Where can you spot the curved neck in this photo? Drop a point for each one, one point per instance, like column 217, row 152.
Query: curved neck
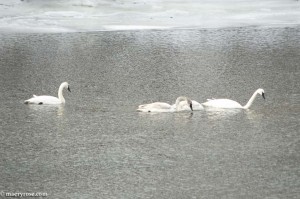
column 249, row 103
column 60, row 95
column 178, row 100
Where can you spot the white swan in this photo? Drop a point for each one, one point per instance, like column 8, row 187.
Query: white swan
column 44, row 99
column 165, row 107
column 183, row 105
column 227, row 103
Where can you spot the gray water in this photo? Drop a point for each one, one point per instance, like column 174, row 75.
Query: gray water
column 98, row 146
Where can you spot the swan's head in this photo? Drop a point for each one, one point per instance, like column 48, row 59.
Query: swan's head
column 66, row 85
column 189, row 101
column 261, row 92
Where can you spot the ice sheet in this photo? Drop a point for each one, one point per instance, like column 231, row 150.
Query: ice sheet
column 97, row 15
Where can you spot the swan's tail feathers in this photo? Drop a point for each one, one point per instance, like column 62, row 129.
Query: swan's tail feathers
column 34, row 95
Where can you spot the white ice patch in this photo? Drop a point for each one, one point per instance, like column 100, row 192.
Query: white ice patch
column 93, row 15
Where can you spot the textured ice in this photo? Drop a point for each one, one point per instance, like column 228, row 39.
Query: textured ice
column 93, row 15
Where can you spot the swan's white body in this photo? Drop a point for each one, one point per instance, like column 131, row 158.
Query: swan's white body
column 184, row 106
column 156, row 107
column 227, row 103
column 159, row 107
column 44, row 99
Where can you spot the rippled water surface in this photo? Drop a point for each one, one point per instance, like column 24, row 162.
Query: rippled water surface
column 98, row 146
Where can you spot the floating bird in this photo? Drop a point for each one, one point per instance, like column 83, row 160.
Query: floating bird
column 45, row 99
column 165, row 107
column 227, row 103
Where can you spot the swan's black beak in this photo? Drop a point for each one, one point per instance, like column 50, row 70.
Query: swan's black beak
column 69, row 89
column 263, row 95
column 191, row 106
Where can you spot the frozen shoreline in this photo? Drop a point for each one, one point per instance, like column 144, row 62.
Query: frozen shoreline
column 103, row 15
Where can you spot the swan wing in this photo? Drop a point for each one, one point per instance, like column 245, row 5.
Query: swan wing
column 222, row 103
column 43, row 100
column 197, row 106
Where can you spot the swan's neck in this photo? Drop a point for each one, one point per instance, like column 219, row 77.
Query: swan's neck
column 60, row 94
column 249, row 103
column 178, row 100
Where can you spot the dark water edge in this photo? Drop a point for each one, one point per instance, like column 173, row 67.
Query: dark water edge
column 98, row 146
